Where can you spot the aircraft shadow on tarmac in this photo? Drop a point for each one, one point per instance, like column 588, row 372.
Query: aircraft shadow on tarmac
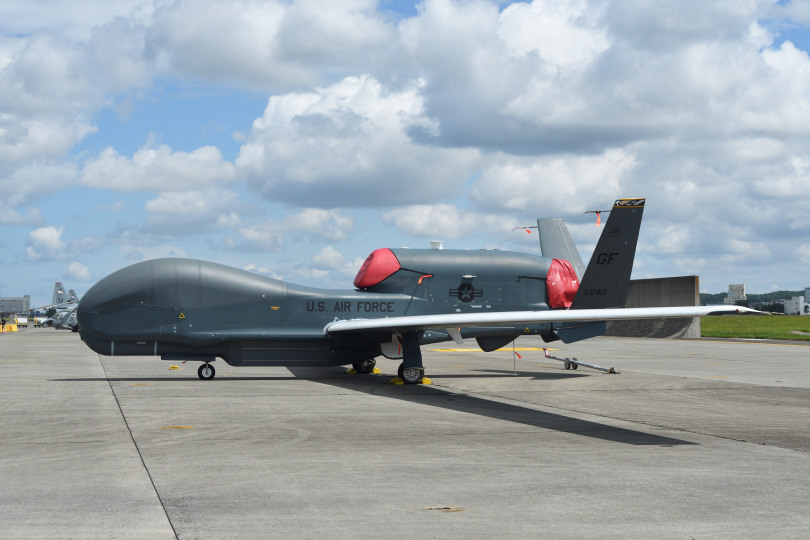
column 496, row 373
column 435, row 397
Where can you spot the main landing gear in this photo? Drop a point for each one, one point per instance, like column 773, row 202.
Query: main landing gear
column 412, row 356
column 366, row 366
column 410, row 375
column 206, row 372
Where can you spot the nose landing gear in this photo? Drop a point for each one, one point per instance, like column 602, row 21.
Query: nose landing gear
column 206, row 372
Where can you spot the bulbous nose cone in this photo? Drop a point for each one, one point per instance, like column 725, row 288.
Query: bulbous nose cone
column 144, row 294
column 129, row 286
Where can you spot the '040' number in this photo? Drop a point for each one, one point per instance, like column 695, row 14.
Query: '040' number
column 594, row 292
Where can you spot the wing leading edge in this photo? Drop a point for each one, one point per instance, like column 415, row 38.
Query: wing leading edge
column 459, row 320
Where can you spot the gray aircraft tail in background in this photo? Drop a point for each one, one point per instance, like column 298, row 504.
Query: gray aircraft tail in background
column 60, row 294
column 65, row 302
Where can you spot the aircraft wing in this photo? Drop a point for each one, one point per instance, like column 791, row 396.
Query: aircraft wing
column 458, row 320
column 63, row 305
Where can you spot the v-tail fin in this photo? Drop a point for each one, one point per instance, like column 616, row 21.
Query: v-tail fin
column 556, row 243
column 607, row 278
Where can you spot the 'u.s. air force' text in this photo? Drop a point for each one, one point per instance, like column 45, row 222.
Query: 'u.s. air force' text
column 359, row 307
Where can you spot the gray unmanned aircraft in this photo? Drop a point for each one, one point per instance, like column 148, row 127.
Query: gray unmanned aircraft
column 183, row 309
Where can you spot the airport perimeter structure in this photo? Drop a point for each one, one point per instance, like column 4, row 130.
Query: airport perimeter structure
column 660, row 292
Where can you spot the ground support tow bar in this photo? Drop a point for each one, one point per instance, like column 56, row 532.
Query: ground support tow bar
column 574, row 363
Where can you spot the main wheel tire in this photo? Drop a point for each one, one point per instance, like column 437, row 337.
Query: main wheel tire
column 206, row 372
column 411, row 375
column 366, row 366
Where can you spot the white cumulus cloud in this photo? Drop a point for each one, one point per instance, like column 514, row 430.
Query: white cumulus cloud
column 77, row 271
column 157, row 170
column 46, row 244
column 348, row 144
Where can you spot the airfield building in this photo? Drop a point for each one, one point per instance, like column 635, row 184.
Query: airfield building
column 736, row 293
column 795, row 306
column 15, row 304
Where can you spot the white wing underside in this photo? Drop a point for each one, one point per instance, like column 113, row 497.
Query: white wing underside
column 461, row 320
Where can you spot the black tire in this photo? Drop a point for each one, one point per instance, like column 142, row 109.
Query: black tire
column 366, row 366
column 567, row 364
column 411, row 375
column 574, row 366
column 206, row 372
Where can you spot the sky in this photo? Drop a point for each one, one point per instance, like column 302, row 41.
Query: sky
column 292, row 138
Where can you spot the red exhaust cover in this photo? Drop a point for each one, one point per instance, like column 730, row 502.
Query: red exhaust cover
column 561, row 284
column 378, row 266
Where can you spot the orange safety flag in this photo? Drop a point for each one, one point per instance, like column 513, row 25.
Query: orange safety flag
column 516, row 354
column 598, row 218
column 528, row 231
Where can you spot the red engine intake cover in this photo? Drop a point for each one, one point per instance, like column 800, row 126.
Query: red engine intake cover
column 561, row 284
column 378, row 266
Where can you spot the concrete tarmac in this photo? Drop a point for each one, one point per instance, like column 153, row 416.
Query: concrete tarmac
column 693, row 440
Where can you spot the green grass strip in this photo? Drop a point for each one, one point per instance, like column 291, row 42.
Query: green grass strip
column 756, row 327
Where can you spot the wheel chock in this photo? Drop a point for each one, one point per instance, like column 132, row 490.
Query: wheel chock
column 174, row 368
column 423, row 380
column 352, row 371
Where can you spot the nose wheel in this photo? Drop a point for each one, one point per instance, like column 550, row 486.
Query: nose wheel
column 410, row 375
column 206, row 372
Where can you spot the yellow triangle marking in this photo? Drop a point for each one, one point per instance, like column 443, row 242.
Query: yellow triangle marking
column 526, row 331
column 182, row 316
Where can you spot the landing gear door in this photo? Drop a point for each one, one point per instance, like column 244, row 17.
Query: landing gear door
column 393, row 349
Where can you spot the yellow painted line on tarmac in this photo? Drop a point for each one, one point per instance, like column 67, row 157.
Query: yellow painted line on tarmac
column 177, row 427
column 503, row 350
